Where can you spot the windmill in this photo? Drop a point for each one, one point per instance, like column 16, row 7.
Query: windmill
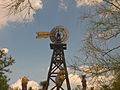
column 57, row 73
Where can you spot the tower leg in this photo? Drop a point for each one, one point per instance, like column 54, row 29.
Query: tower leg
column 57, row 73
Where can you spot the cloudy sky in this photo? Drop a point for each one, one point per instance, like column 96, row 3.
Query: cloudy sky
column 32, row 56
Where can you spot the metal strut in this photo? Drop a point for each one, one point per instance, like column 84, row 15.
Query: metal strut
column 58, row 71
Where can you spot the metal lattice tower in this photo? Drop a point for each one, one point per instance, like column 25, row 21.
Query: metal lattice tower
column 57, row 73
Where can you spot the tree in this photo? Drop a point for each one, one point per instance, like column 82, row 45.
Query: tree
column 23, row 9
column 5, row 62
column 17, row 6
column 101, row 44
column 105, row 31
column 43, row 84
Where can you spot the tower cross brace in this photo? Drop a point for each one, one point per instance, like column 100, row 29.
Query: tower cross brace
column 57, row 72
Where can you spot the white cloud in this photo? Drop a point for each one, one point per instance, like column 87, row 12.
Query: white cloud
column 96, row 82
column 17, row 85
column 5, row 50
column 9, row 14
column 116, row 3
column 74, row 80
column 87, row 2
column 63, row 5
column 108, row 34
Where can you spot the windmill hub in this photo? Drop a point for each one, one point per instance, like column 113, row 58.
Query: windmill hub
column 58, row 34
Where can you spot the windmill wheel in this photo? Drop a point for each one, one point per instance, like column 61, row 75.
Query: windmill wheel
column 59, row 34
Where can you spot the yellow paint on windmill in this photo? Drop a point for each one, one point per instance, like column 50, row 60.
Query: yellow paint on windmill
column 42, row 34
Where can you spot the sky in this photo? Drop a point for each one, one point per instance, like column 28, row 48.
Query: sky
column 32, row 56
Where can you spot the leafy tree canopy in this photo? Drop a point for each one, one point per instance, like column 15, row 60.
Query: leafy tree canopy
column 5, row 62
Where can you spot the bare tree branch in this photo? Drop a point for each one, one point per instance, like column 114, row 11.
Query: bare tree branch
column 112, row 4
column 112, row 50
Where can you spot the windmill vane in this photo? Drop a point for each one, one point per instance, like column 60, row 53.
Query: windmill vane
column 57, row 72
column 58, row 34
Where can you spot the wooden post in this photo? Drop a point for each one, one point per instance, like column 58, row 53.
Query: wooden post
column 84, row 85
column 92, row 88
column 24, row 83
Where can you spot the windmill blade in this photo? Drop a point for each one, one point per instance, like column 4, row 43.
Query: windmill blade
column 42, row 34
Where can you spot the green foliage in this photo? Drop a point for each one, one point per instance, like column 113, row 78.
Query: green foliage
column 114, row 86
column 116, row 83
column 43, row 84
column 3, row 83
column 5, row 62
